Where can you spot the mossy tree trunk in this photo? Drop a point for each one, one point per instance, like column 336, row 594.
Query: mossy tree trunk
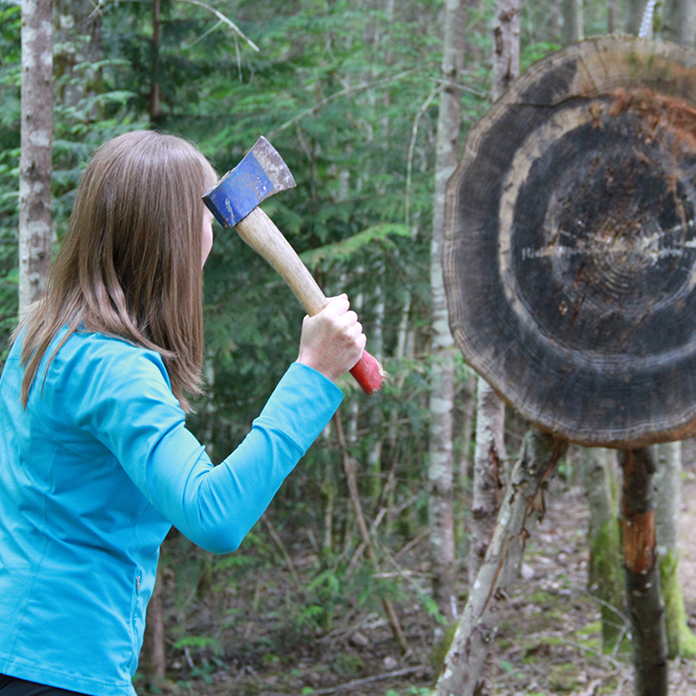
column 605, row 579
column 680, row 641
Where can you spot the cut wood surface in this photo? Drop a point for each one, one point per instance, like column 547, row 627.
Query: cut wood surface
column 571, row 242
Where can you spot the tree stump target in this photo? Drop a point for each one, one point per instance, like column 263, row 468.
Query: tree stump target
column 570, row 244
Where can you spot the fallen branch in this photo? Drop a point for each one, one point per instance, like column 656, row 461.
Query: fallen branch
column 523, row 503
column 367, row 680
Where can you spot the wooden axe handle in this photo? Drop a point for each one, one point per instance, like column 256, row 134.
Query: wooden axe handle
column 261, row 234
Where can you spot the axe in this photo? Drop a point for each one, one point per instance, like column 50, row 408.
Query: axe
column 234, row 202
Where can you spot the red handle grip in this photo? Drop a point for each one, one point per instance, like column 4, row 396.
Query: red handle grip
column 368, row 373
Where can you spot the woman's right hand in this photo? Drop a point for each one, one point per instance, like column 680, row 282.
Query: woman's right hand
column 332, row 341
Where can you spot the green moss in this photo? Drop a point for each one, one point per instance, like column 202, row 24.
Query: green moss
column 606, row 580
column 442, row 648
column 681, row 642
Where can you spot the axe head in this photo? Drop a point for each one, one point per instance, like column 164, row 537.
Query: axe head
column 259, row 175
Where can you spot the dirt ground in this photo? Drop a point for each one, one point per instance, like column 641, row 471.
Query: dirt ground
column 548, row 643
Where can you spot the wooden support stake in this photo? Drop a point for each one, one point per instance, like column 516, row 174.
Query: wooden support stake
column 643, row 599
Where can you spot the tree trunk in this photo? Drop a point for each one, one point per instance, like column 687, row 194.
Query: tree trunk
column 521, row 509
column 155, row 108
column 633, row 15
column 490, row 418
column 605, row 578
column 680, row 641
column 506, row 58
column 642, row 574
column 612, row 16
column 77, row 48
column 572, row 22
column 440, row 471
column 35, row 161
column 489, row 461
column 679, row 22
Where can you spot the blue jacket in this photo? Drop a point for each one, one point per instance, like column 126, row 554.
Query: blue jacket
column 92, row 476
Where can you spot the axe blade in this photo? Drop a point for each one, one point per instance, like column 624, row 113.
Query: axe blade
column 259, row 175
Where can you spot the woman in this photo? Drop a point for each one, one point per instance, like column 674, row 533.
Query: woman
column 96, row 463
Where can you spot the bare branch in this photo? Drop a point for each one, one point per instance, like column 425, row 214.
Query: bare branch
column 359, row 87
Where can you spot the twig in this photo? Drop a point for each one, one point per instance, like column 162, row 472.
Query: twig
column 281, row 546
column 412, row 543
column 337, row 95
column 598, row 653
column 224, row 19
column 349, row 467
column 411, row 149
column 221, row 17
column 368, row 680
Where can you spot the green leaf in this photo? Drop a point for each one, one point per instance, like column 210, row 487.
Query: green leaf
column 346, row 248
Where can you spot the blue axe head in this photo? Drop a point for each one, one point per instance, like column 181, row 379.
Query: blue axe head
column 259, row 175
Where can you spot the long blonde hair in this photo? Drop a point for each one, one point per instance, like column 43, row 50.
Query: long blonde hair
column 130, row 263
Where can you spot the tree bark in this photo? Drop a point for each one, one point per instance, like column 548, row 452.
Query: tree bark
column 506, row 58
column 680, row 641
column 77, row 47
column 605, row 579
column 440, row 470
column 490, row 418
column 679, row 22
column 35, row 161
column 633, row 15
column 489, row 461
column 645, row 606
column 572, row 22
column 612, row 16
column 521, row 509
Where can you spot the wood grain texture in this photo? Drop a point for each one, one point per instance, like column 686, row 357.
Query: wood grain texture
column 570, row 244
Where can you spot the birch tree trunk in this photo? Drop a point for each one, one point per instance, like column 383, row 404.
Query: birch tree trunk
column 490, row 415
column 680, row 641
column 35, row 161
column 506, row 57
column 440, row 471
column 489, row 459
column 522, row 508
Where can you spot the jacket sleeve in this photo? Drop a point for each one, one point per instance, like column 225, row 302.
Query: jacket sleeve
column 125, row 401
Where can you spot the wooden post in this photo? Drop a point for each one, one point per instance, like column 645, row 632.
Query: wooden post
column 645, row 606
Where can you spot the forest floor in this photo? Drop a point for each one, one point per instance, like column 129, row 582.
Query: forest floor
column 549, row 639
